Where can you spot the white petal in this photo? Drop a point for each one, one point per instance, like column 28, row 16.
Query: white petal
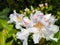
column 14, row 11
column 55, row 39
column 36, row 38
column 47, row 16
column 33, row 30
column 25, row 42
column 18, row 26
column 23, row 34
column 54, row 28
column 51, row 37
column 26, row 22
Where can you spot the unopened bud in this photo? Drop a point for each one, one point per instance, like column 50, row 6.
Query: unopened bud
column 46, row 4
column 41, row 5
column 26, row 9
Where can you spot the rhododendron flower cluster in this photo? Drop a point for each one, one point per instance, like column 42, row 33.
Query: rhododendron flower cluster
column 41, row 25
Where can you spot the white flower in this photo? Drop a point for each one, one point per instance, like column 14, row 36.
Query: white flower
column 36, row 35
column 46, row 32
column 45, row 25
column 18, row 26
column 26, row 21
column 17, row 18
column 23, row 36
column 36, row 16
column 42, row 26
column 49, row 19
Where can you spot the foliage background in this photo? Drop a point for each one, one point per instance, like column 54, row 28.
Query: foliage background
column 8, row 31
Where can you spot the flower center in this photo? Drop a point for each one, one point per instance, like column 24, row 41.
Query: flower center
column 18, row 18
column 38, row 25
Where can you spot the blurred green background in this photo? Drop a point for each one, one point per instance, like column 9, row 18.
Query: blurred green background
column 8, row 31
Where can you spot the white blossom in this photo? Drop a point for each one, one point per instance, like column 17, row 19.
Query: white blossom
column 17, row 18
column 26, row 21
column 45, row 25
column 23, row 36
column 42, row 26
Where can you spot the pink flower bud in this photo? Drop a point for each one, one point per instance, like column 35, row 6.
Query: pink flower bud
column 41, row 5
column 46, row 4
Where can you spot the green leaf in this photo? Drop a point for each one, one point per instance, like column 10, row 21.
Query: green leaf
column 5, row 24
column 2, row 37
column 50, row 7
column 4, row 13
column 58, row 12
column 32, row 8
column 59, row 35
column 10, row 42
